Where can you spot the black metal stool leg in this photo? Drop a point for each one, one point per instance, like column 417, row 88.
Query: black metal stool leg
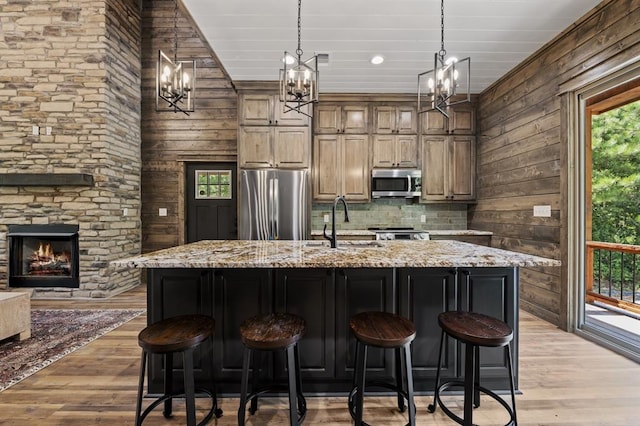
column 469, row 379
column 409, row 384
column 143, row 365
column 399, row 376
column 302, row 403
column 258, row 359
column 361, row 366
column 476, row 377
column 432, row 407
column 293, row 391
column 189, row 388
column 168, row 385
column 244, row 385
column 513, row 386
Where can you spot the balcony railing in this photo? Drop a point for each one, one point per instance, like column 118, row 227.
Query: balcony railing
column 613, row 275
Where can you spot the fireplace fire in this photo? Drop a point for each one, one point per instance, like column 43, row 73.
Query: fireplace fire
column 43, row 256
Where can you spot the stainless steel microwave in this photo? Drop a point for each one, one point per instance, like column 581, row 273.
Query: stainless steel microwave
column 399, row 183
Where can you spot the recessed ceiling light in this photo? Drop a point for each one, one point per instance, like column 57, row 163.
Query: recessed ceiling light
column 377, row 60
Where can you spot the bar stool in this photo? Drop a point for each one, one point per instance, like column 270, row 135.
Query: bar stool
column 180, row 334
column 272, row 332
column 388, row 331
column 474, row 330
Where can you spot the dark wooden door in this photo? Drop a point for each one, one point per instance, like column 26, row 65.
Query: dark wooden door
column 494, row 292
column 360, row 290
column 309, row 293
column 211, row 201
column 173, row 292
column 423, row 294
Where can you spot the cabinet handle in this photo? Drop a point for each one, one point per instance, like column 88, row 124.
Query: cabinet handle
column 269, row 121
column 276, row 122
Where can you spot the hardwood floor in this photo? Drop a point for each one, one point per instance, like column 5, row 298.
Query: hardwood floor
column 564, row 379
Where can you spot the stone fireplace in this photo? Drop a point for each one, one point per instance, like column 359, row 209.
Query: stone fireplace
column 43, row 256
column 70, row 140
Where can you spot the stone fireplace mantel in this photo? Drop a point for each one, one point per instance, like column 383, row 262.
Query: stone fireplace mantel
column 46, row 179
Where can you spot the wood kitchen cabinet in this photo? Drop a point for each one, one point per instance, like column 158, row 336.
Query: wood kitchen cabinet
column 448, row 168
column 266, row 110
column 268, row 138
column 351, row 118
column 461, row 121
column 395, row 143
column 274, row 147
column 391, row 151
column 388, row 119
column 341, row 167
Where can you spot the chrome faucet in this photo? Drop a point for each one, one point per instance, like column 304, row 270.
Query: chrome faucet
column 333, row 238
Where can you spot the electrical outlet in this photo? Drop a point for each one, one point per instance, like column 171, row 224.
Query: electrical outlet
column 35, row 130
column 48, row 130
column 326, row 218
column 423, row 218
column 162, row 211
column 125, row 212
column 542, row 211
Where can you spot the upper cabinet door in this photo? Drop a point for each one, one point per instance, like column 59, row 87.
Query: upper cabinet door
column 384, row 119
column 255, row 146
column 328, row 118
column 256, row 110
column 355, row 119
column 289, row 118
column 433, row 122
column 291, row 147
column 462, row 120
column 406, row 121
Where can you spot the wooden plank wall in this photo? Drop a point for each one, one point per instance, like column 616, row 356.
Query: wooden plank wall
column 522, row 147
column 170, row 139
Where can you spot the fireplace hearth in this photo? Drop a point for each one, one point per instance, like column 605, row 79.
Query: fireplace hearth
column 43, row 255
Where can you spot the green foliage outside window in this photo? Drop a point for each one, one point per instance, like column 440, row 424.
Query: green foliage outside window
column 616, row 192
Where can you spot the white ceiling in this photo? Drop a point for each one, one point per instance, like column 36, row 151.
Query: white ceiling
column 250, row 36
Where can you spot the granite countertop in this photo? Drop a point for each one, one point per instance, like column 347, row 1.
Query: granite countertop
column 367, row 233
column 316, row 254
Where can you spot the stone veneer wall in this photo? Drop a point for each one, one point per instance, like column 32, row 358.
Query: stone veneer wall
column 392, row 212
column 75, row 67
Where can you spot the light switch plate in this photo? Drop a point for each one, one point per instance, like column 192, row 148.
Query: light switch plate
column 542, row 211
column 326, row 218
column 423, row 218
column 162, row 211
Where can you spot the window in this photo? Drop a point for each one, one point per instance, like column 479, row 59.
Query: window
column 213, row 184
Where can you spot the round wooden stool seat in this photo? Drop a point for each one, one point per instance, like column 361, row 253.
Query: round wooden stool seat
column 476, row 329
column 387, row 331
column 276, row 331
column 179, row 334
column 176, row 334
column 272, row 331
column 382, row 329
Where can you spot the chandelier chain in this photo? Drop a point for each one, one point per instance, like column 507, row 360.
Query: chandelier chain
column 299, row 49
column 175, row 32
column 442, row 52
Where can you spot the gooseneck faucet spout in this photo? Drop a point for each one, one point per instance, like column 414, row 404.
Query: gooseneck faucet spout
column 333, row 238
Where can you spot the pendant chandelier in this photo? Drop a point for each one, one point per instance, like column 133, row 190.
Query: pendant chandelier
column 298, row 79
column 447, row 83
column 175, row 79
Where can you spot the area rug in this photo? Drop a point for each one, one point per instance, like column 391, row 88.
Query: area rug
column 54, row 334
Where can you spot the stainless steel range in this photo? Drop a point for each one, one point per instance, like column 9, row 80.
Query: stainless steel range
column 399, row 233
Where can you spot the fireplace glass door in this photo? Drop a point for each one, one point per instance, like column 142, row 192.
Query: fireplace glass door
column 43, row 256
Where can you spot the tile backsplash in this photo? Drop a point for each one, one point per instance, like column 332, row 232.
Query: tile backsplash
column 394, row 212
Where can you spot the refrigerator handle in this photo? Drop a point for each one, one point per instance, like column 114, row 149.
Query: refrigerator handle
column 276, row 208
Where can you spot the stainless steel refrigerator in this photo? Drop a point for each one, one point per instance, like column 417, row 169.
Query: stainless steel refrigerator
column 274, row 205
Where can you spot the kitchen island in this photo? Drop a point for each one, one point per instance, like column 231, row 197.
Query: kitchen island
column 233, row 280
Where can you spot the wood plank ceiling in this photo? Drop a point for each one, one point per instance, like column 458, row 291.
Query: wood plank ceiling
column 250, row 36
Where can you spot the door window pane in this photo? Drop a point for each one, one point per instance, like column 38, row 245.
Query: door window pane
column 213, row 184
